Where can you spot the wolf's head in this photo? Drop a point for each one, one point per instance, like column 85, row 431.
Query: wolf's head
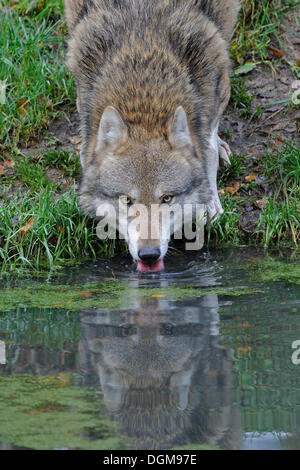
column 140, row 179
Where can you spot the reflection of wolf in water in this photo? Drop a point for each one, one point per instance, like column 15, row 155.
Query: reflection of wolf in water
column 165, row 378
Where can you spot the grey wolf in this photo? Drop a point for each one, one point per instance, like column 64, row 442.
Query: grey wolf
column 152, row 84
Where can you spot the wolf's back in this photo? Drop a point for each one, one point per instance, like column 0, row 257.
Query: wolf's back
column 222, row 12
column 146, row 58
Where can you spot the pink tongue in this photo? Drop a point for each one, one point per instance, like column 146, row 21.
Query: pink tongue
column 155, row 268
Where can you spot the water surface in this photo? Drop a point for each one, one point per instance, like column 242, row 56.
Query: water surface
column 200, row 355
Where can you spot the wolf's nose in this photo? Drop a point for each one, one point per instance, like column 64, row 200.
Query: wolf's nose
column 149, row 256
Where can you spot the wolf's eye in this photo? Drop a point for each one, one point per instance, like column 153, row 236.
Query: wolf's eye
column 166, row 198
column 126, row 200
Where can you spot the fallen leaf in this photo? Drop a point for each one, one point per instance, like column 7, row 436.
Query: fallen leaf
column 221, row 192
column 23, row 106
column 276, row 51
column 9, row 163
column 27, row 226
column 250, row 177
column 233, row 189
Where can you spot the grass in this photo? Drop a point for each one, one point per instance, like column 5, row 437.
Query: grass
column 258, row 26
column 281, row 215
column 41, row 224
column 42, row 229
column 279, row 219
column 32, row 71
column 284, row 164
column 225, row 230
column 256, row 32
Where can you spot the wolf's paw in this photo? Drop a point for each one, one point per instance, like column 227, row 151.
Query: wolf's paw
column 214, row 209
column 224, row 152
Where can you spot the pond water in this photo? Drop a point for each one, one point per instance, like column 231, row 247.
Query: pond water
column 102, row 357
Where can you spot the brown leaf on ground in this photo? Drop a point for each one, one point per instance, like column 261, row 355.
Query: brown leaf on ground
column 233, row 189
column 275, row 51
column 5, row 166
column 22, row 106
column 27, row 226
column 250, row 177
column 8, row 163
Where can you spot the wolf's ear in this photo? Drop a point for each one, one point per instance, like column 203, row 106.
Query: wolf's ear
column 112, row 129
column 178, row 129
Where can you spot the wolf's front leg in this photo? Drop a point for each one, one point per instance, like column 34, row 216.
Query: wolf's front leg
column 219, row 155
column 213, row 207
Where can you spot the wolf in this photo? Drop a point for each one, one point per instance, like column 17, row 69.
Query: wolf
column 152, row 84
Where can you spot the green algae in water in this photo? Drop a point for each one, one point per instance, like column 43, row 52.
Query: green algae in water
column 51, row 413
column 273, row 271
column 110, row 295
column 77, row 297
